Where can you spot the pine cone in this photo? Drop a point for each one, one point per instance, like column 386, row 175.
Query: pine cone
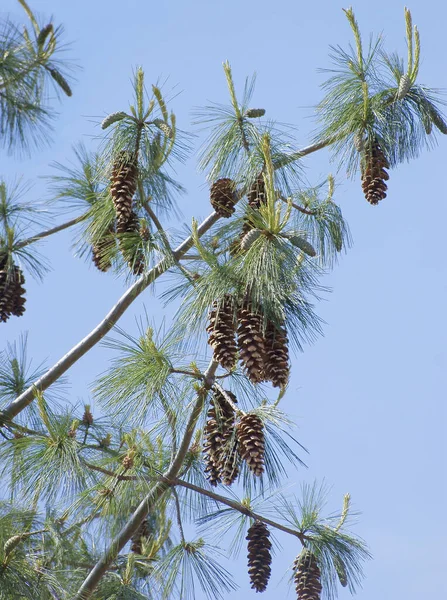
column 222, row 332
column 123, row 186
column 139, row 536
column 217, row 433
column 259, row 557
column 12, row 301
column 373, row 172
column 223, row 197
column 101, row 250
column 256, row 195
column 307, row 576
column 251, row 342
column 229, row 462
column 250, row 433
column 276, row 363
column 130, row 243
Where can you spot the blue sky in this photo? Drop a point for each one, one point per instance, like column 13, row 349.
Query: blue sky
column 369, row 396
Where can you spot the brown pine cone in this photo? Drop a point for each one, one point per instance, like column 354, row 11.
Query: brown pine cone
column 222, row 333
column 276, row 363
column 256, row 195
column 373, row 172
column 259, row 557
column 307, row 576
column 251, row 342
column 217, row 433
column 223, row 197
column 101, row 251
column 250, row 434
column 139, row 537
column 12, row 300
column 123, row 186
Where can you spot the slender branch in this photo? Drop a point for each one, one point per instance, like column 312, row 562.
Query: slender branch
column 49, row 232
column 294, row 156
column 179, row 515
column 239, row 507
column 311, row 213
column 189, row 373
column 22, row 401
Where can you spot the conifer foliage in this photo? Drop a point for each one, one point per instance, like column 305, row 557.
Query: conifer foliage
column 95, row 499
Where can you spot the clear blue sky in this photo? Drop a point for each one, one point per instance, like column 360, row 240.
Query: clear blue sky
column 369, row 397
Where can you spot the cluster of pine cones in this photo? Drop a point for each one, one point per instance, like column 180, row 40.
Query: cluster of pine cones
column 228, row 441
column 307, row 574
column 12, row 299
column 263, row 349
column 128, row 230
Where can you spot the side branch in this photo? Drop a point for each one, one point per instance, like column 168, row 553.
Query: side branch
column 238, row 507
column 48, row 232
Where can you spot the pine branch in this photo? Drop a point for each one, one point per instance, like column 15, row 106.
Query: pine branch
column 22, row 401
column 238, row 507
column 48, row 232
column 305, row 211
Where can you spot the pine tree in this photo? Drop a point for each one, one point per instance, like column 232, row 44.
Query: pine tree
column 95, row 496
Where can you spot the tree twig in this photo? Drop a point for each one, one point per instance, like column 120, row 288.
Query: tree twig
column 300, row 208
column 239, row 507
column 48, row 232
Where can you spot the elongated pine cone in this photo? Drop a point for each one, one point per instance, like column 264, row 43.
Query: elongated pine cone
column 307, row 576
column 101, row 251
column 276, row 362
column 251, row 342
column 123, row 185
column 12, row 300
column 374, row 175
column 250, row 433
column 130, row 243
column 218, row 451
column 139, row 537
column 259, row 557
column 223, row 197
column 222, row 332
column 256, row 195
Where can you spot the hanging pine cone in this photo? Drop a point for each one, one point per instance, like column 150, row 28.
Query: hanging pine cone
column 101, row 251
column 276, row 362
column 130, row 243
column 229, row 462
column 307, row 576
column 139, row 537
column 217, row 433
column 259, row 557
column 250, row 434
column 223, row 197
column 251, row 342
column 374, row 175
column 12, row 301
column 256, row 195
column 222, row 332
column 123, row 186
